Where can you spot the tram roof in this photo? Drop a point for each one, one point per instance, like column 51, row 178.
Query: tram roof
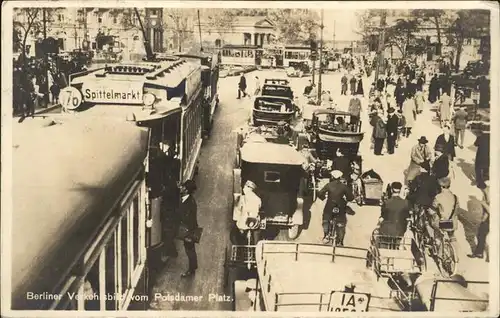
column 66, row 179
column 270, row 153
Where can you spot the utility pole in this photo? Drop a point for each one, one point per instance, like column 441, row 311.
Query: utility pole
column 45, row 59
column 199, row 31
column 320, row 58
column 381, row 45
column 333, row 45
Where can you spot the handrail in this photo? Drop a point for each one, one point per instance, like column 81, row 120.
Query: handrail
column 434, row 292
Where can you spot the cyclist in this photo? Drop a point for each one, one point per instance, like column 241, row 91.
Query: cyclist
column 442, row 215
column 335, row 207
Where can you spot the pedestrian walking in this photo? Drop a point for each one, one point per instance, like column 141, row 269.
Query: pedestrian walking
column 401, row 125
column 399, row 94
column 446, row 142
column 379, row 133
column 380, row 84
column 343, row 83
column 445, row 109
column 257, row 86
column 484, row 227
column 419, row 101
column 55, row 90
column 352, row 83
column 441, row 165
column 459, row 120
column 355, row 109
column 242, row 86
column 482, row 160
column 188, row 211
column 409, row 113
column 420, row 157
column 392, row 130
column 360, row 90
column 434, row 88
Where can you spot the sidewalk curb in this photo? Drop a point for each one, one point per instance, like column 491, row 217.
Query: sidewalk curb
column 46, row 110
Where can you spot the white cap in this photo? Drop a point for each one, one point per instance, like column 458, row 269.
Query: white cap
column 336, row 174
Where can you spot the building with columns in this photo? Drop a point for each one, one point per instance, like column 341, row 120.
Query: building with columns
column 255, row 31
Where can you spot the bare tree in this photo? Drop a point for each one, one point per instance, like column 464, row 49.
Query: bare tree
column 30, row 25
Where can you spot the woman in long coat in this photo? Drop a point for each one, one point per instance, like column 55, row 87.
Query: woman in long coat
column 419, row 101
column 445, row 109
column 409, row 113
column 360, row 90
column 446, row 142
column 352, row 84
column 434, row 90
column 399, row 94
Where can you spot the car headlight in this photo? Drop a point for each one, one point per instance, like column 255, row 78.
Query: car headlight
column 148, row 99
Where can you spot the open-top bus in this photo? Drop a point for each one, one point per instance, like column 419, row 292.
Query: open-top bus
column 80, row 219
column 167, row 98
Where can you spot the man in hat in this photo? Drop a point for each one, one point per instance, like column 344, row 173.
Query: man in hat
column 242, row 86
column 443, row 208
column 379, row 132
column 250, row 205
column 354, row 109
column 421, row 156
column 392, row 130
column 282, row 133
column 338, row 196
column 394, row 213
column 188, row 215
column 460, row 123
column 343, row 82
column 441, row 166
column 484, row 227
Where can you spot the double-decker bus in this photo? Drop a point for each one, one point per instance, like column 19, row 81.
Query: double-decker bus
column 80, row 233
column 210, row 80
column 242, row 55
column 166, row 97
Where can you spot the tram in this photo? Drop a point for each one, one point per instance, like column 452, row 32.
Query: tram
column 242, row 55
column 296, row 54
column 209, row 79
column 79, row 190
column 166, row 97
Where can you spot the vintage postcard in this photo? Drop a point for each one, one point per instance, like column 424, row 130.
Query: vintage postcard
column 202, row 158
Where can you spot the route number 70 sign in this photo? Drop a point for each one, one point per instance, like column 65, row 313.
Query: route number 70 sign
column 70, row 98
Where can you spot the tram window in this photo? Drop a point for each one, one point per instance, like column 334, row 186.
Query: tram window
column 111, row 271
column 124, row 255
column 135, row 225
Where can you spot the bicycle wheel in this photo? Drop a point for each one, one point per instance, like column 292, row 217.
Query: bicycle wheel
column 448, row 261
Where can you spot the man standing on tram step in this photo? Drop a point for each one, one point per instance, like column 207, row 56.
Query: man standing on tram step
column 394, row 214
column 392, row 130
column 242, row 86
column 188, row 215
column 338, row 196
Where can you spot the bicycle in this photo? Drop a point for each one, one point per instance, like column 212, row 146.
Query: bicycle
column 331, row 237
column 441, row 250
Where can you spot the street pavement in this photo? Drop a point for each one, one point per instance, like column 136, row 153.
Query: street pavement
column 214, row 196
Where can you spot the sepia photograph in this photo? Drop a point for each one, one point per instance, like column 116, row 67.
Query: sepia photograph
column 187, row 157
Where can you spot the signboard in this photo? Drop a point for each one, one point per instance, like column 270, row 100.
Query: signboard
column 348, row 302
column 113, row 92
column 70, row 98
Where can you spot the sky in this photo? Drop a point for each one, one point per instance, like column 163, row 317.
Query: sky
column 345, row 22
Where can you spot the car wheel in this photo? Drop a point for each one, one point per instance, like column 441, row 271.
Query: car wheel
column 293, row 232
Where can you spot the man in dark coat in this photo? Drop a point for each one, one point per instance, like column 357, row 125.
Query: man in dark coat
column 394, row 213
column 352, row 83
column 392, row 130
column 188, row 215
column 242, row 86
column 482, row 161
column 360, row 90
column 343, row 83
column 441, row 166
column 446, row 142
column 379, row 133
column 335, row 207
column 434, row 93
column 420, row 83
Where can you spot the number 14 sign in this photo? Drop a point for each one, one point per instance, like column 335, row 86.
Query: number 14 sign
column 349, row 302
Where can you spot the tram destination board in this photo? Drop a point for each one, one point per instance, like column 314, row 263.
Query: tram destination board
column 349, row 302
